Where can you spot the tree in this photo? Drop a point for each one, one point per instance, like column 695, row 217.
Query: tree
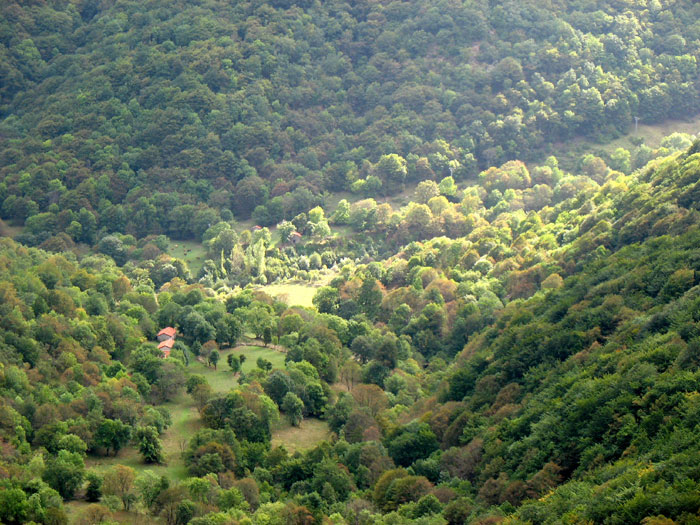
column 228, row 330
column 342, row 213
column 64, row 473
column 391, row 169
column 112, row 435
column 201, row 395
column 285, row 229
column 293, row 407
column 214, row 357
column 277, row 384
column 149, row 486
column 412, row 442
column 258, row 317
column 93, row 492
column 426, row 190
column 250, row 192
column 196, row 328
column 119, row 481
column 351, row 373
column 315, row 399
column 234, row 362
column 326, row 300
column 171, row 379
column 94, row 514
column 72, row 443
column 193, row 382
column 267, row 335
column 370, row 296
column 149, row 444
column 184, row 511
column 13, row 506
column 338, row 414
column 372, row 397
column 447, row 187
column 263, row 364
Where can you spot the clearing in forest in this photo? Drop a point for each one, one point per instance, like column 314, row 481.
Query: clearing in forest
column 184, row 414
column 297, row 439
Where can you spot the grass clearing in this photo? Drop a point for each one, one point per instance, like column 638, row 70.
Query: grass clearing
column 220, row 379
column 185, row 422
column 294, row 294
column 74, row 509
column 304, row 437
column 252, row 353
column 193, row 253
column 185, row 417
column 8, row 230
column 652, row 134
column 298, row 293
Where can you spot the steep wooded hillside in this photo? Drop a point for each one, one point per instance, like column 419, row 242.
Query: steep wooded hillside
column 505, row 342
column 451, row 399
column 132, row 110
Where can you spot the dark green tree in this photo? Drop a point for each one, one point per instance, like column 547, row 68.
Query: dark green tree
column 64, row 473
column 214, row 357
column 234, row 363
column 293, row 408
column 149, row 444
column 112, row 435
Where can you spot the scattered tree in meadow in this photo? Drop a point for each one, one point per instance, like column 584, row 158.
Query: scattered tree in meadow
column 234, row 363
column 119, row 482
column 293, row 408
column 149, row 444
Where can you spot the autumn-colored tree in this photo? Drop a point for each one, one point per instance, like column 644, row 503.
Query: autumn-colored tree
column 119, row 481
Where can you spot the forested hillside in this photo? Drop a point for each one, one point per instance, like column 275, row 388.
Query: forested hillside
column 502, row 329
column 577, row 403
column 136, row 111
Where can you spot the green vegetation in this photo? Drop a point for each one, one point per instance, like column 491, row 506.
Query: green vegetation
column 149, row 120
column 397, row 296
column 294, row 293
column 310, row 433
column 191, row 252
column 545, row 352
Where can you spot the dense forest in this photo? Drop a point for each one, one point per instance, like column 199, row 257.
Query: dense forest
column 149, row 114
column 501, row 330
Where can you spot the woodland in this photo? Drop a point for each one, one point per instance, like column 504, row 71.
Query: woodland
column 503, row 314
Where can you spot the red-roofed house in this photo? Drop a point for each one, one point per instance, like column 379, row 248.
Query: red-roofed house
column 166, row 333
column 166, row 346
column 295, row 237
column 166, row 338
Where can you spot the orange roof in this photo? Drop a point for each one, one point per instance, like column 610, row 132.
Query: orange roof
column 295, row 234
column 168, row 343
column 168, row 330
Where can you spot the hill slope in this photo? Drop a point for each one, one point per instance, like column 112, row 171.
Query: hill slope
column 132, row 110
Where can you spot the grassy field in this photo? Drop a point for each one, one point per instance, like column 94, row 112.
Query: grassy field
column 569, row 153
column 252, row 353
column 75, row 509
column 294, row 294
column 6, row 230
column 297, row 293
column 193, row 253
column 311, row 432
column 185, row 417
column 653, row 135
